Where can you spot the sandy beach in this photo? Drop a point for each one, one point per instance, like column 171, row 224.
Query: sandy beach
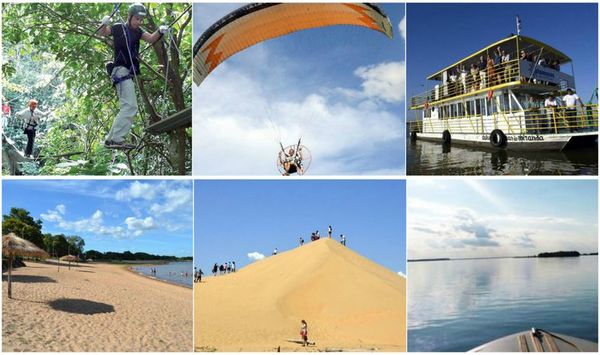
column 349, row 302
column 93, row 307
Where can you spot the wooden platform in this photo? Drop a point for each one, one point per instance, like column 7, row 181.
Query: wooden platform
column 182, row 118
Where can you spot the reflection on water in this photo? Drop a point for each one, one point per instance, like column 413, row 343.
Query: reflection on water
column 430, row 158
column 458, row 305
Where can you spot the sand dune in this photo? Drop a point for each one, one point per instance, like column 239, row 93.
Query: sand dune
column 93, row 307
column 348, row 301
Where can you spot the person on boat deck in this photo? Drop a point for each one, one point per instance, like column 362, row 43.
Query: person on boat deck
column 550, row 105
column 126, row 39
column 31, row 118
column 570, row 101
column 533, row 105
column 482, row 66
column 507, row 65
column 491, row 72
column 290, row 162
column 474, row 77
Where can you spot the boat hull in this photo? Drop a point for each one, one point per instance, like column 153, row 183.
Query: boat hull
column 530, row 142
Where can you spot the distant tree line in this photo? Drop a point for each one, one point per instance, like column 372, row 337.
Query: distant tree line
column 560, row 254
column 20, row 222
column 128, row 256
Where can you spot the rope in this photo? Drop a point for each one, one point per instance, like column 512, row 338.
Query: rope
column 169, row 26
column 166, row 113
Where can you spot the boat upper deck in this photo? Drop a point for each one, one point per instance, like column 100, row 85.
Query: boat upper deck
column 510, row 62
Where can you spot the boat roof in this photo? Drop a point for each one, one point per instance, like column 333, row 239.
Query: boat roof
column 562, row 58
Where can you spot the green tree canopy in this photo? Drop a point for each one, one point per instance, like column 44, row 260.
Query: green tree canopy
column 20, row 222
column 53, row 52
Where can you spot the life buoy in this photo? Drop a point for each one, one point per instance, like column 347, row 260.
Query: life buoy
column 446, row 137
column 498, row 138
column 490, row 94
column 426, row 105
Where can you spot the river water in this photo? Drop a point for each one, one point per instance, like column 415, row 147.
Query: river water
column 180, row 272
column 430, row 158
column 460, row 304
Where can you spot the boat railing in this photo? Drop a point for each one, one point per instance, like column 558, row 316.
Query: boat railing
column 476, row 80
column 531, row 121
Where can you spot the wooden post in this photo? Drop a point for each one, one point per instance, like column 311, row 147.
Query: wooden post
column 10, row 262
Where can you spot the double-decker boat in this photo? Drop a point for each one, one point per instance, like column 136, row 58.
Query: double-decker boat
column 511, row 94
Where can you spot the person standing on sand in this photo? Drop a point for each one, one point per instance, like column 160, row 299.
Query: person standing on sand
column 301, row 241
column 329, row 230
column 304, row 333
column 275, row 251
column 343, row 239
column 233, row 266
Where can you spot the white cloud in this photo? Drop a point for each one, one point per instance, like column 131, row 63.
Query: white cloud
column 384, row 81
column 402, row 27
column 55, row 215
column 254, row 256
column 140, row 223
column 173, row 200
column 137, row 190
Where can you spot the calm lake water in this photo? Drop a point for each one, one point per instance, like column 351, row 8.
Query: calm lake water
column 430, row 158
column 171, row 272
column 458, row 305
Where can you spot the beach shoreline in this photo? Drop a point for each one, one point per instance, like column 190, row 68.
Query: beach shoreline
column 98, row 307
column 129, row 268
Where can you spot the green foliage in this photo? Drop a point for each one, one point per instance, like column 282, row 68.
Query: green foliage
column 20, row 222
column 128, row 256
column 52, row 52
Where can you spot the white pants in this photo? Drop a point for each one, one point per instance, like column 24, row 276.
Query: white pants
column 128, row 107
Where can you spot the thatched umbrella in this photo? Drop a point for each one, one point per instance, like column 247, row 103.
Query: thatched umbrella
column 69, row 258
column 15, row 246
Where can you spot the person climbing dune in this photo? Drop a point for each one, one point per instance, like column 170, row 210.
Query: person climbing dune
column 125, row 67
column 304, row 333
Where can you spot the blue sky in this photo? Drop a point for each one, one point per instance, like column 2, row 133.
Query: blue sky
column 441, row 34
column 482, row 218
column 152, row 216
column 236, row 218
column 341, row 88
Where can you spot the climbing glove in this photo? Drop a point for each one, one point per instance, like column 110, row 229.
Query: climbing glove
column 163, row 29
column 105, row 20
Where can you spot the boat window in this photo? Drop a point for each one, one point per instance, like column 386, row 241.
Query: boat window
column 471, row 108
column 480, row 106
column 492, row 106
column 427, row 113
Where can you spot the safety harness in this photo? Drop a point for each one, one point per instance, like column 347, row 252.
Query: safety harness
column 30, row 124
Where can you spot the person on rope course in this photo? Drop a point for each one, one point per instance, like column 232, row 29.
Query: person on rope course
column 125, row 67
column 31, row 118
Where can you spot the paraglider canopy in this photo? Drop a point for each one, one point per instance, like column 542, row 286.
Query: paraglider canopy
column 259, row 22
